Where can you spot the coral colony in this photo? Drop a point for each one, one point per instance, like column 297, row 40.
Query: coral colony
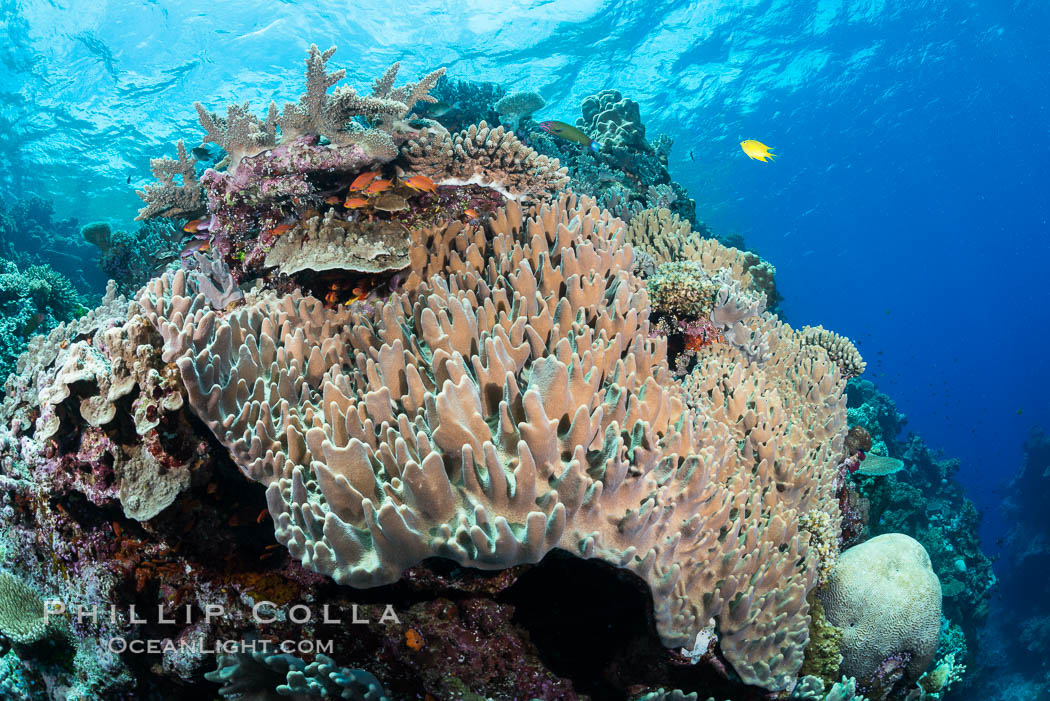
column 405, row 413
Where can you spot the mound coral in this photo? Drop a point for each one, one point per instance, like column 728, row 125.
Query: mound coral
column 613, row 120
column 887, row 601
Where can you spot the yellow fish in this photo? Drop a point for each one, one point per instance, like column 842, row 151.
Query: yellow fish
column 756, row 150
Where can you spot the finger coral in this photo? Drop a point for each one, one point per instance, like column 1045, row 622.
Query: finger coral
column 840, row 349
column 170, row 197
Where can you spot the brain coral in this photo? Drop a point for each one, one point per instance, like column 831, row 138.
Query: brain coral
column 887, row 600
column 514, row 402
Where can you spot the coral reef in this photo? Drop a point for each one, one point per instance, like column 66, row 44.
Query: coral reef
column 273, row 676
column 410, row 373
column 32, row 302
column 926, row 501
column 368, row 529
column 886, row 599
column 31, row 236
column 1026, row 552
column 281, row 170
column 132, row 257
column 628, row 174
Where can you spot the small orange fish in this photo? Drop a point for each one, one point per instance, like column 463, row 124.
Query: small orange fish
column 262, row 514
column 421, row 182
column 361, row 181
column 191, row 226
column 377, row 186
column 332, row 297
column 278, row 230
column 355, row 202
column 334, row 199
column 472, row 213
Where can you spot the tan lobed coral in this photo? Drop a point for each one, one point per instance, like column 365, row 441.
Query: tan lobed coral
column 495, row 158
column 330, row 243
column 514, row 402
column 839, row 348
column 783, row 411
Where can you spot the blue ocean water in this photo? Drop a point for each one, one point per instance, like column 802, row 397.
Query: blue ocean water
column 907, row 208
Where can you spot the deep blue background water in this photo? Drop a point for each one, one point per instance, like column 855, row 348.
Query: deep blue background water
column 908, row 207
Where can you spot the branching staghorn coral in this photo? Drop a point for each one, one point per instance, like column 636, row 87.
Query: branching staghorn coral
column 240, row 133
column 170, row 197
column 269, row 159
column 515, row 403
column 492, row 157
